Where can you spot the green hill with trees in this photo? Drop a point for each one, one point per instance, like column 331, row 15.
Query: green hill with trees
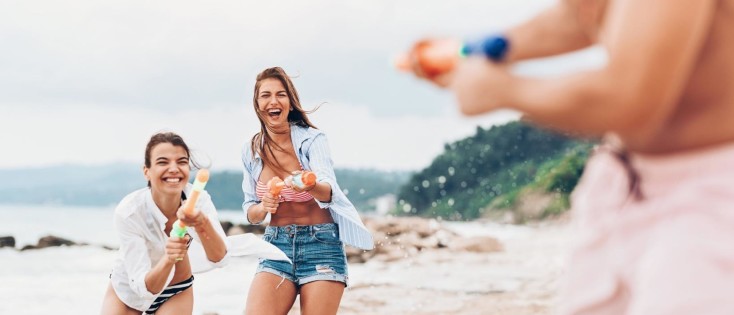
column 499, row 168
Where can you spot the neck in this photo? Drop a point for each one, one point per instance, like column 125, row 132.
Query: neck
column 281, row 136
column 168, row 204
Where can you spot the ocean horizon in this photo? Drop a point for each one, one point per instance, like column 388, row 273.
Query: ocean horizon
column 81, row 224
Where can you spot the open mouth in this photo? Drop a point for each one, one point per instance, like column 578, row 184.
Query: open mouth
column 274, row 112
column 172, row 180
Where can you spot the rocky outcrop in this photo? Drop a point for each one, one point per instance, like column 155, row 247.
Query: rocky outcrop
column 402, row 237
column 50, row 241
column 7, row 241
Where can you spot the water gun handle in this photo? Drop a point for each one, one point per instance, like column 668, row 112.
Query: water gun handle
column 179, row 229
column 306, row 178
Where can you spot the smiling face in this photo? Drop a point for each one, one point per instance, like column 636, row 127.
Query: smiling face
column 169, row 169
column 273, row 103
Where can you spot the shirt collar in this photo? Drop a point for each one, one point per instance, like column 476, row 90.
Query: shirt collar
column 299, row 136
column 158, row 216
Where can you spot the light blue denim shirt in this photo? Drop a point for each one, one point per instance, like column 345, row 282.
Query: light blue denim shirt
column 312, row 151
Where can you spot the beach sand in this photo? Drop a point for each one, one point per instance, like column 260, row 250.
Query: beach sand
column 521, row 279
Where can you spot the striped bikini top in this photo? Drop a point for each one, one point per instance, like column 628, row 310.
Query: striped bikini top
column 287, row 194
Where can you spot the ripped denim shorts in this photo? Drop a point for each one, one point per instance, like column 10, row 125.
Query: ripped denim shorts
column 316, row 251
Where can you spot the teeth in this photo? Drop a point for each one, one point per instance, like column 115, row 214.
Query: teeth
column 173, row 180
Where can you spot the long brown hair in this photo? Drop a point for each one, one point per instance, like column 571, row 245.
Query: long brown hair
column 296, row 116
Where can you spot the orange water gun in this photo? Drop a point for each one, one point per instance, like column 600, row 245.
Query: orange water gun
column 275, row 185
column 179, row 229
column 434, row 57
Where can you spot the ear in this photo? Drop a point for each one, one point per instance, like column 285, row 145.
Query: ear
column 145, row 173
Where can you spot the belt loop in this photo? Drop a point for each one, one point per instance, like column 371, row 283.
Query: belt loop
column 275, row 234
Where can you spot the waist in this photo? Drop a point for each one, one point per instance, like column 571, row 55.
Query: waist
column 710, row 160
column 301, row 229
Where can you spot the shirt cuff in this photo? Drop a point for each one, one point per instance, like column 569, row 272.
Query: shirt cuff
column 326, row 205
column 139, row 286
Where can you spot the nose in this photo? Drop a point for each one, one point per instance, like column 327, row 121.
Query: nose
column 173, row 168
column 273, row 100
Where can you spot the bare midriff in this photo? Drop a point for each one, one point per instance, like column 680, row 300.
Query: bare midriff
column 300, row 213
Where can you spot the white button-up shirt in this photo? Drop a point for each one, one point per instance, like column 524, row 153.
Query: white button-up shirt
column 141, row 228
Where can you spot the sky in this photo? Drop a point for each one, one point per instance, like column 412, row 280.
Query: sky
column 88, row 82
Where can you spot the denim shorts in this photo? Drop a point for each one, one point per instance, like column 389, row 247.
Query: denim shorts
column 316, row 251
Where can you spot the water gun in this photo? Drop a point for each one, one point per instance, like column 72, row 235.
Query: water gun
column 179, row 229
column 438, row 56
column 306, row 178
column 275, row 185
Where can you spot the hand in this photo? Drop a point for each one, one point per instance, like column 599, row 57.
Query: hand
column 289, row 183
column 198, row 220
column 270, row 203
column 176, row 248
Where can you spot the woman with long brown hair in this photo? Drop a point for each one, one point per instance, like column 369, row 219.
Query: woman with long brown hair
column 310, row 224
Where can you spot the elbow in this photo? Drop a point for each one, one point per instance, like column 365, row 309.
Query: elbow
column 218, row 258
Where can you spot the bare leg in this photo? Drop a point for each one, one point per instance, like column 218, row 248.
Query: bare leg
column 182, row 303
column 111, row 304
column 321, row 297
column 270, row 294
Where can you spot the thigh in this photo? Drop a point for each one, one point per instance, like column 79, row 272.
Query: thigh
column 111, row 304
column 182, row 303
column 321, row 297
column 270, row 294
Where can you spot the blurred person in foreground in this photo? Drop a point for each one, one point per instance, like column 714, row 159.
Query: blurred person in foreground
column 655, row 205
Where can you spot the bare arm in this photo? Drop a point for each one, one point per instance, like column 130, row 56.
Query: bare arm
column 256, row 213
column 652, row 47
column 554, row 31
column 156, row 278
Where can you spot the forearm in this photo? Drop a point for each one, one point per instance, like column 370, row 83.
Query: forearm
column 157, row 277
column 256, row 213
column 322, row 192
column 213, row 243
column 554, row 31
column 589, row 103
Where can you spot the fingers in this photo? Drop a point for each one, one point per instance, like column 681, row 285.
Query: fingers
column 192, row 220
column 176, row 248
column 270, row 203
